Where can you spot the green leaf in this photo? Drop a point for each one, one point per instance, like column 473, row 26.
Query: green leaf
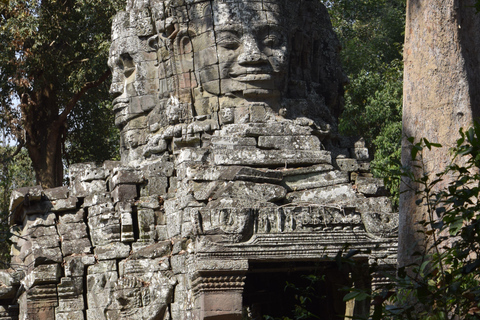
column 351, row 295
column 358, row 295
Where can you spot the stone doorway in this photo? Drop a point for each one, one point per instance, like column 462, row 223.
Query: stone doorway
column 274, row 289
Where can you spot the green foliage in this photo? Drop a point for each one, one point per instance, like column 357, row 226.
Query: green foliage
column 92, row 137
column 54, row 54
column 51, row 50
column 374, row 110
column 14, row 173
column 443, row 283
column 372, row 35
column 63, row 44
column 371, row 32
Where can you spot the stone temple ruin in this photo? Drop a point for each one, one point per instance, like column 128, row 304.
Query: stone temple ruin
column 233, row 178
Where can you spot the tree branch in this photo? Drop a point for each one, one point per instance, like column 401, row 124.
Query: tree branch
column 12, row 123
column 77, row 96
column 17, row 151
column 26, row 103
column 75, row 61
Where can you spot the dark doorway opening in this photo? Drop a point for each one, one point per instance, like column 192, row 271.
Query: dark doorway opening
column 278, row 289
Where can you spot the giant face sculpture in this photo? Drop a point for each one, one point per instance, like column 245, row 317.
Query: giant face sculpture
column 134, row 74
column 251, row 48
column 225, row 61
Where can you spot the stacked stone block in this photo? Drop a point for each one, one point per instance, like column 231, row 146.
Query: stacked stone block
column 129, row 242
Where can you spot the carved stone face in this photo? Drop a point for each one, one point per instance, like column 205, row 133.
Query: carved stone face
column 225, row 61
column 133, row 62
column 123, row 70
column 230, row 54
column 251, row 48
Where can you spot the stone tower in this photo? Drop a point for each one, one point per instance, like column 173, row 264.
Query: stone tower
column 233, row 178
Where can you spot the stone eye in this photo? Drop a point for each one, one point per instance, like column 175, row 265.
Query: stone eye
column 127, row 64
column 271, row 40
column 230, row 45
column 228, row 41
column 118, row 63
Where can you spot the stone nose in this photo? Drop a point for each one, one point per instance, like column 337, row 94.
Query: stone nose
column 117, row 86
column 116, row 89
column 251, row 53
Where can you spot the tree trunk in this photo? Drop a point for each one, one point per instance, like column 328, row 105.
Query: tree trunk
column 46, row 155
column 441, row 93
column 44, row 134
column 45, row 129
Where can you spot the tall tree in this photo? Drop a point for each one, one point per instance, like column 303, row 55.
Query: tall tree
column 52, row 53
column 441, row 95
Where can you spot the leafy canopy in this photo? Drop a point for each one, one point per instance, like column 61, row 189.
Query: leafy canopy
column 53, row 56
column 372, row 35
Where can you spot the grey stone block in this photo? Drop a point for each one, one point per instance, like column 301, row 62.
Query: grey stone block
column 346, row 164
column 259, row 129
column 42, row 274
column 71, row 315
column 289, row 142
column 56, row 193
column 74, row 266
column 82, row 189
column 25, row 194
column 102, row 267
column 371, row 186
column 64, row 204
column 375, row 204
column 76, row 246
column 72, row 231
column 315, row 180
column 125, row 176
column 339, row 194
column 124, row 192
column 86, row 171
column 96, row 199
column 115, row 250
column 269, row 158
column 77, row 216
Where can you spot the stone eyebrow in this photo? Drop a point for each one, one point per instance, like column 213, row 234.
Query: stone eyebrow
column 275, row 28
column 231, row 28
column 265, row 28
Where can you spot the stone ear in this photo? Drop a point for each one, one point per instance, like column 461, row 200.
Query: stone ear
column 153, row 42
column 184, row 42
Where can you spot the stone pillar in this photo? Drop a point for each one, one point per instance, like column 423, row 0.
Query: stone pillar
column 219, row 296
column 441, row 93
